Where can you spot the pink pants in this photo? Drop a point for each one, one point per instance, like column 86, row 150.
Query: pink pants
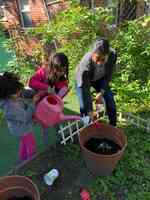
column 27, row 146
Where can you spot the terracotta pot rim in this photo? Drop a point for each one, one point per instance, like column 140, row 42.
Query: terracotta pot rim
column 13, row 188
column 104, row 155
column 17, row 176
column 36, row 195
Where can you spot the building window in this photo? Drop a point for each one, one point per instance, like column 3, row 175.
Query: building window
column 2, row 7
column 113, row 6
column 49, row 2
column 147, row 8
column 25, row 13
column 1, row 12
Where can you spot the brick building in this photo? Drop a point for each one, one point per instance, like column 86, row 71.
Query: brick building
column 92, row 3
column 27, row 13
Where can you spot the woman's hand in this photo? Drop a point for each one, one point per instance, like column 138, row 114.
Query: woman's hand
column 92, row 115
column 99, row 98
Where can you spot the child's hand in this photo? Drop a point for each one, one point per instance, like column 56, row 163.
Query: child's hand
column 50, row 75
column 35, row 98
column 51, row 90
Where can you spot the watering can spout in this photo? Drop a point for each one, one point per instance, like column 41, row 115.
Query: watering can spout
column 70, row 117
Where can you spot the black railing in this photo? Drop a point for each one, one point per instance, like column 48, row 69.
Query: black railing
column 127, row 10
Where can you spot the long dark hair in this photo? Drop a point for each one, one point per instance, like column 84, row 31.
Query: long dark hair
column 59, row 61
column 9, row 85
column 101, row 46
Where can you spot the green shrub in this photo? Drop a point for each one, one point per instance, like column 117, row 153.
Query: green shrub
column 132, row 81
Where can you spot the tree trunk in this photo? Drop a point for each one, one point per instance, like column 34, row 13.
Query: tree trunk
column 140, row 8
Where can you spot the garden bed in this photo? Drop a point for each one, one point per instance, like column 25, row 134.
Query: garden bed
column 129, row 181
column 73, row 173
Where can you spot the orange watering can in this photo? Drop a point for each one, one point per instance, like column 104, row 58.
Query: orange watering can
column 49, row 111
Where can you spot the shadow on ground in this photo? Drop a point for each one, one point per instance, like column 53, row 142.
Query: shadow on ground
column 73, row 172
column 9, row 144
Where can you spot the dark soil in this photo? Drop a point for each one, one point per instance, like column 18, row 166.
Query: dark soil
column 102, row 146
column 73, row 172
column 20, row 198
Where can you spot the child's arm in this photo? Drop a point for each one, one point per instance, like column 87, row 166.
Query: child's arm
column 63, row 92
column 62, row 88
column 31, row 108
column 29, row 112
column 38, row 81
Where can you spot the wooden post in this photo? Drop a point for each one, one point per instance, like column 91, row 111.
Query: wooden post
column 140, row 8
column 127, row 10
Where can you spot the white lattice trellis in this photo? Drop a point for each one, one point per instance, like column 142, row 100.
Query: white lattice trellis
column 137, row 121
column 73, row 128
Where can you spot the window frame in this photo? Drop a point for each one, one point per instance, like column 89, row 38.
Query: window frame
column 2, row 9
column 51, row 2
column 21, row 11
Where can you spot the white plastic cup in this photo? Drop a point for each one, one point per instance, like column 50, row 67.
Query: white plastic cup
column 51, row 176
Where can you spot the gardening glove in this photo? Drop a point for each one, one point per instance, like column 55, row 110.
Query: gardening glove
column 86, row 120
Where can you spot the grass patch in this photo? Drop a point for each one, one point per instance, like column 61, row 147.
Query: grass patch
column 5, row 56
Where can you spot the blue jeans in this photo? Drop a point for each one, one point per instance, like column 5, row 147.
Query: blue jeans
column 108, row 97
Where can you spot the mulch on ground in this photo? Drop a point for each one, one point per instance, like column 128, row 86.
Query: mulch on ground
column 73, row 172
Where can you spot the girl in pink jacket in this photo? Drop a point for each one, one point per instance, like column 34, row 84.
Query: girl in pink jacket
column 54, row 75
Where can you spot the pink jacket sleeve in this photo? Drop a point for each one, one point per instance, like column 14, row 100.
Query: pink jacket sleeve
column 62, row 87
column 38, row 80
column 60, row 84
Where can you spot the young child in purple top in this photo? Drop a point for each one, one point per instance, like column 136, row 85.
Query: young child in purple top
column 18, row 111
column 53, row 75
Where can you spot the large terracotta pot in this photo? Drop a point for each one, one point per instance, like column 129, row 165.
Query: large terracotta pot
column 100, row 164
column 17, row 186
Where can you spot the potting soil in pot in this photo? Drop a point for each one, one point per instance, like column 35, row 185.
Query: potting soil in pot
column 102, row 146
column 20, row 198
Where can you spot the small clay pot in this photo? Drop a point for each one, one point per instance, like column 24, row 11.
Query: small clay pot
column 18, row 186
